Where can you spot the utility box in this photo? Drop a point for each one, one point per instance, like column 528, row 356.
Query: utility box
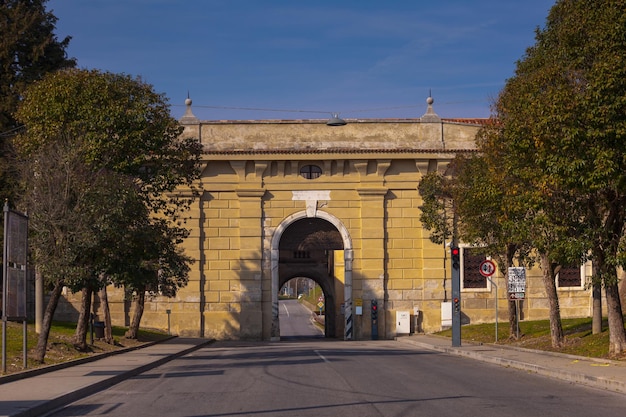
column 446, row 315
column 403, row 322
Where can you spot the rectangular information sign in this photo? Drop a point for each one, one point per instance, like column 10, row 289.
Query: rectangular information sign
column 516, row 283
column 14, row 265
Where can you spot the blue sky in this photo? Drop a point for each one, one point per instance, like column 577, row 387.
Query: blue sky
column 290, row 59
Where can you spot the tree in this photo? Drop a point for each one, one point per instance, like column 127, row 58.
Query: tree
column 470, row 204
column 438, row 211
column 160, row 267
column 111, row 206
column 29, row 50
column 58, row 188
column 528, row 209
column 126, row 139
column 564, row 110
column 491, row 222
column 507, row 213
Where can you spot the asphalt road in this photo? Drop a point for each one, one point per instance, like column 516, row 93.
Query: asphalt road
column 296, row 321
column 338, row 378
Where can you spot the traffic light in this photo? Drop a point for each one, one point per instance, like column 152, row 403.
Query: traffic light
column 457, row 305
column 374, row 310
column 374, row 319
column 455, row 253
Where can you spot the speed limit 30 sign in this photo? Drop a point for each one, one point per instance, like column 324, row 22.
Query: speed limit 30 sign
column 487, row 268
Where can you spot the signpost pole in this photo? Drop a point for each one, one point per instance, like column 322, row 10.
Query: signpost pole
column 495, row 297
column 4, row 288
column 517, row 316
column 487, row 268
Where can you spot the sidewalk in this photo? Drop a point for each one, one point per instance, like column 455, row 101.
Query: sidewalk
column 44, row 392
column 598, row 373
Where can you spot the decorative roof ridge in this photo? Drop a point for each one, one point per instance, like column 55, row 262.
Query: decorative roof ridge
column 329, row 150
column 458, row 120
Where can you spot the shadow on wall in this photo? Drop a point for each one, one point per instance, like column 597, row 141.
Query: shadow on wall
column 65, row 310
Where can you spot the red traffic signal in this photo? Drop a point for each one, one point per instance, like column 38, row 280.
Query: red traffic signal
column 374, row 310
column 455, row 253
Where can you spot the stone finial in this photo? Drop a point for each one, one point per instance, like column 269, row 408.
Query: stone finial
column 188, row 117
column 430, row 116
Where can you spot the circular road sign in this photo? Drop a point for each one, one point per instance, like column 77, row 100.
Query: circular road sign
column 487, row 268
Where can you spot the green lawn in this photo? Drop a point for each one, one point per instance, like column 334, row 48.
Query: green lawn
column 60, row 348
column 536, row 335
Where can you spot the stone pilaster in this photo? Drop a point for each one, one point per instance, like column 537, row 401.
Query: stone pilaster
column 252, row 292
column 371, row 265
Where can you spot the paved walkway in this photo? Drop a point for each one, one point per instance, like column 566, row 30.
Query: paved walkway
column 43, row 392
column 35, row 393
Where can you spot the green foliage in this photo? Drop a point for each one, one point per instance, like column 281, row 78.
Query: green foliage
column 102, row 162
column 488, row 219
column 122, row 125
column 438, row 211
column 29, row 49
column 148, row 258
column 563, row 115
column 59, row 200
column 562, row 132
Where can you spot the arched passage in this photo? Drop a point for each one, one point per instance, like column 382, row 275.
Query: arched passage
column 306, row 245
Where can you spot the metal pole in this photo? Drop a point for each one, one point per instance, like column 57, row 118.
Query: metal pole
column 456, row 294
column 4, row 287
column 496, row 299
column 25, row 344
column 517, row 316
column 4, row 346
column 39, row 298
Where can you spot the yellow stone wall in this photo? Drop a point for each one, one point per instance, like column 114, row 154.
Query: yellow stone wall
column 370, row 171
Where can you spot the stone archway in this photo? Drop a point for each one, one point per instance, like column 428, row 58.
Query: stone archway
column 277, row 276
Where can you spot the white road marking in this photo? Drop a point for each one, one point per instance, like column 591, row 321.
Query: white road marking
column 317, row 352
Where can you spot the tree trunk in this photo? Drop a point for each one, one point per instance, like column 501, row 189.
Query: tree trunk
column 621, row 275
column 512, row 320
column 42, row 341
column 549, row 282
column 133, row 329
column 80, row 337
column 617, row 334
column 106, row 313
